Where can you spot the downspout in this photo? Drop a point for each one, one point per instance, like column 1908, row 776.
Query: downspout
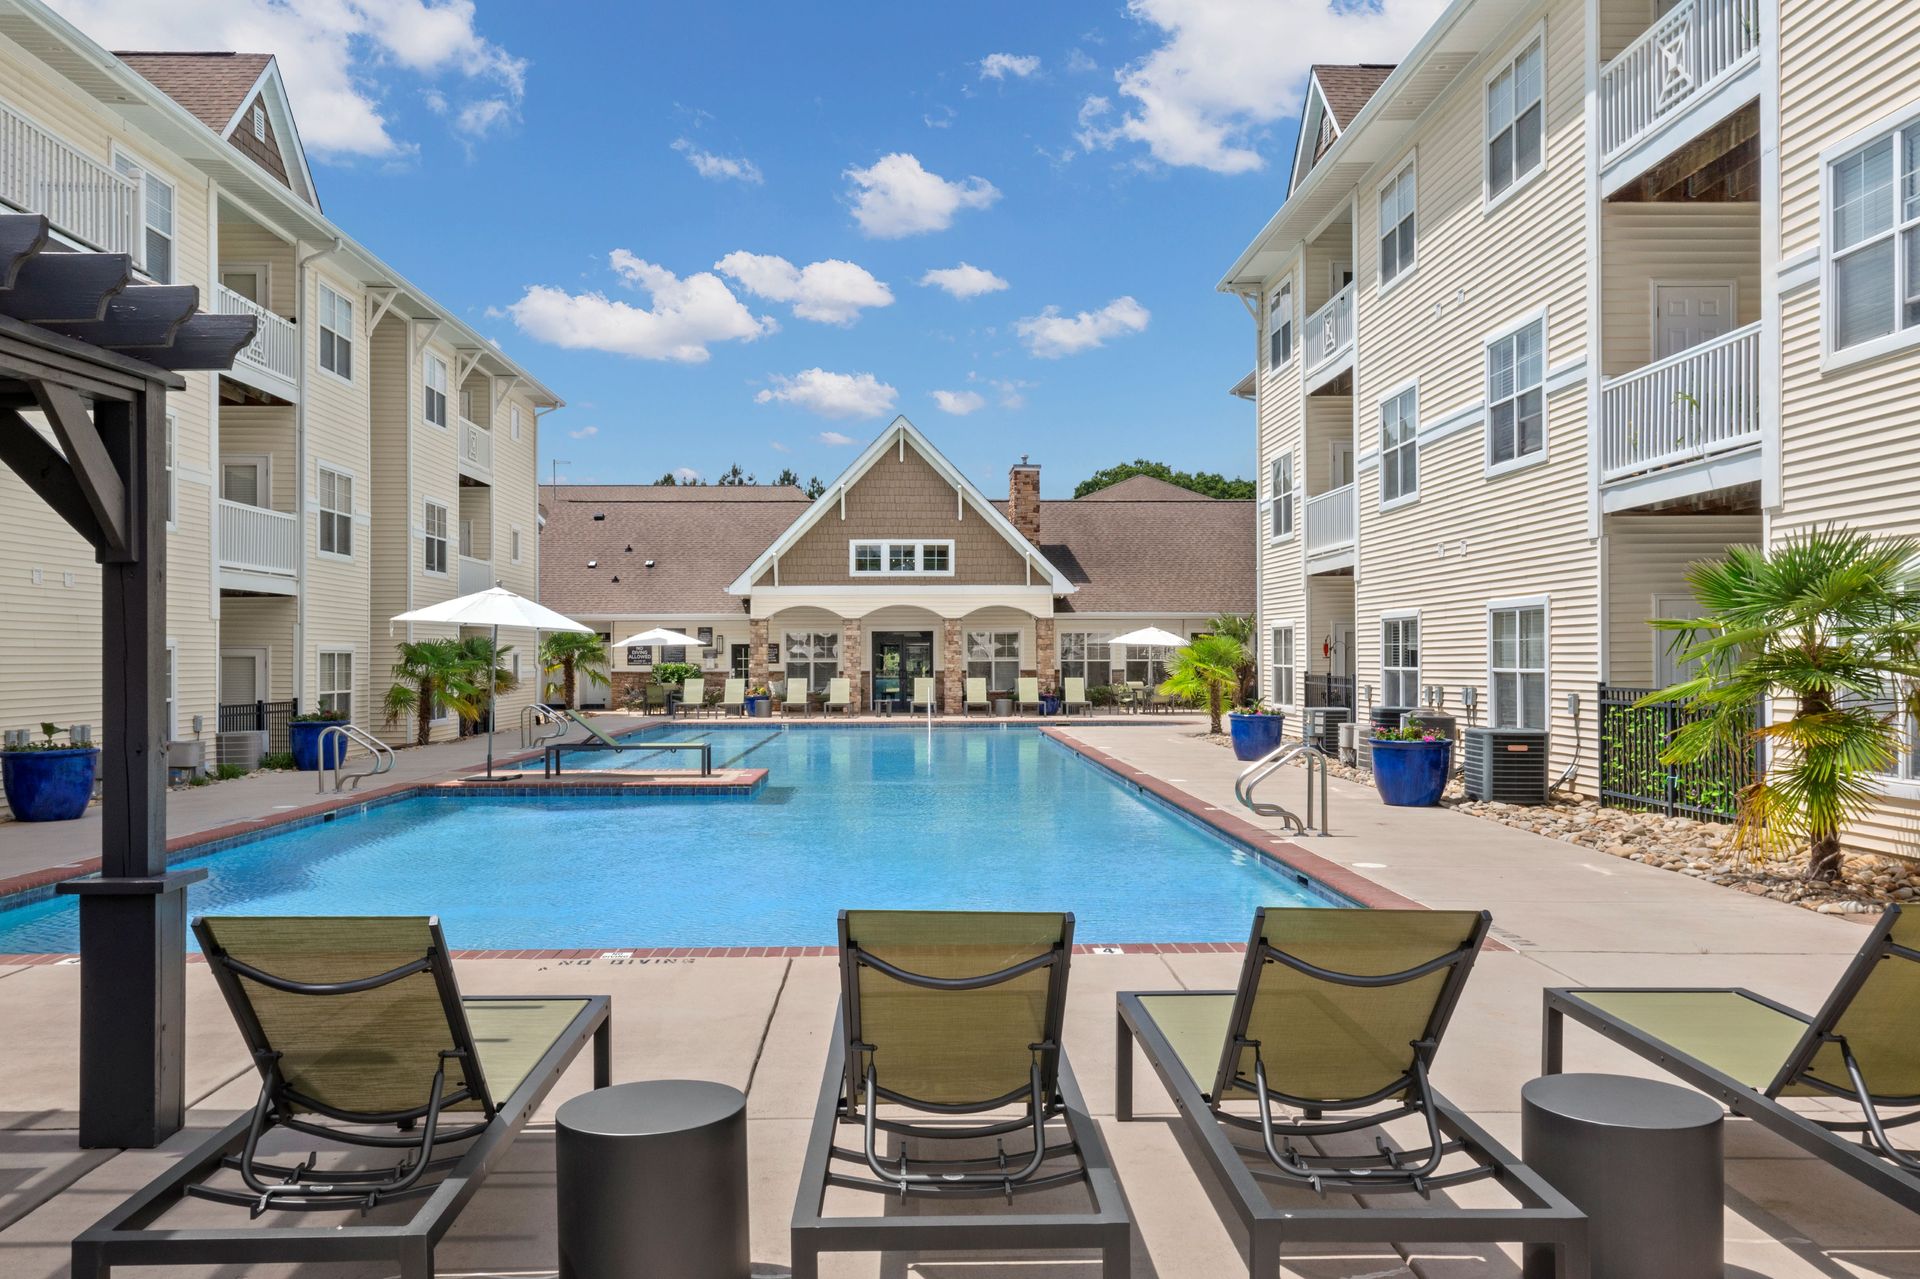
column 303, row 315
column 538, row 413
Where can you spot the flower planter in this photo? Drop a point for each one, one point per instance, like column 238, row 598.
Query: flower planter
column 50, row 785
column 303, row 739
column 1411, row 774
column 1255, row 736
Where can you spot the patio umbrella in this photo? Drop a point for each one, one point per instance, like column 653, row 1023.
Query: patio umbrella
column 662, row 636
column 495, row 607
column 1148, row 637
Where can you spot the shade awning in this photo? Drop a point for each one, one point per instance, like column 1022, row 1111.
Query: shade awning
column 495, row 606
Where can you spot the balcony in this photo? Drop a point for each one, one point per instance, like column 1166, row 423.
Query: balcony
column 259, row 549
column 271, row 362
column 1698, row 404
column 1330, row 522
column 83, row 199
column 1675, row 64
column 1330, row 333
column 476, row 452
column 475, row 575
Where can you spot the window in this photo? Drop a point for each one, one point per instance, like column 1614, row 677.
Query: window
column 1086, row 655
column 1280, row 326
column 1873, row 235
column 513, row 545
column 172, row 498
column 513, row 416
column 889, row 558
column 1516, row 125
column 1282, row 495
column 1283, row 665
column 1516, row 394
column 336, row 334
column 1400, row 661
column 1396, row 226
column 1399, row 447
column 1519, row 667
column 995, row 657
column 336, row 513
column 154, row 252
column 436, row 394
column 1147, row 665
column 813, row 658
column 1890, row 706
column 336, row 681
column 433, row 532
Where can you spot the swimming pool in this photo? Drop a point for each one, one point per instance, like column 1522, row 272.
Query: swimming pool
column 980, row 818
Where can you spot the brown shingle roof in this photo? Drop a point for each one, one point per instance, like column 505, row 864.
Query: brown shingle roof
column 1144, row 488
column 1349, row 87
column 212, row 85
column 1151, row 556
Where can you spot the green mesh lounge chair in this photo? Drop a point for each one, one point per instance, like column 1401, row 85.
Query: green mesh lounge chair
column 1750, row 1053
column 923, row 697
column 949, row 1030
column 976, row 698
column 1337, row 1018
column 361, row 1037
column 1027, row 693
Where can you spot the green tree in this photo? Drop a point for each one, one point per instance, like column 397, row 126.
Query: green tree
column 734, row 477
column 788, row 477
column 573, row 654
column 1210, row 483
column 815, row 488
column 432, row 675
column 669, row 480
column 1207, row 669
column 1828, row 625
column 1239, row 628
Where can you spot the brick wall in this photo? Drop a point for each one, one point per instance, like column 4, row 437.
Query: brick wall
column 1023, row 500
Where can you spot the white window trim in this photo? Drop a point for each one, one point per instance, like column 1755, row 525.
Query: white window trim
column 1380, row 452
column 353, row 656
column 1832, row 357
column 147, row 171
column 1545, row 604
column 1411, row 161
column 352, row 359
column 1538, row 457
column 1273, row 497
column 1420, row 630
column 1293, row 665
column 1093, row 637
column 513, row 417
column 853, row 544
column 173, row 690
column 446, row 538
column 1286, row 281
column 319, row 465
column 1488, row 201
column 427, row 360
column 172, row 464
column 513, row 543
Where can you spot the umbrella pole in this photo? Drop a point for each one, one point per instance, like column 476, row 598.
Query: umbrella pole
column 493, row 695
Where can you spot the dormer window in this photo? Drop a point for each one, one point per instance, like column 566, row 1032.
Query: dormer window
column 890, row 557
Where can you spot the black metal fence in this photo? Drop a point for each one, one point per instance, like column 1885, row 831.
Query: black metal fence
column 1633, row 776
column 270, row 718
column 1330, row 690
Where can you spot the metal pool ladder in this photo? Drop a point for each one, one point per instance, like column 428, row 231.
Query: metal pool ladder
column 540, row 723
column 380, row 757
column 1253, row 774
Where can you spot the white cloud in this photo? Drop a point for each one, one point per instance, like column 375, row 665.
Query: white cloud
column 332, row 54
column 1012, row 392
column 833, row 395
column 719, row 168
column 686, row 315
column 1227, row 68
column 998, row 66
column 834, row 438
column 832, row 292
column 1079, row 63
column 941, row 117
column 778, row 447
column 584, row 433
column 896, row 196
column 959, row 403
column 685, row 474
column 1051, row 335
column 964, row 281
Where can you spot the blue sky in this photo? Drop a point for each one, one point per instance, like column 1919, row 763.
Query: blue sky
column 630, row 199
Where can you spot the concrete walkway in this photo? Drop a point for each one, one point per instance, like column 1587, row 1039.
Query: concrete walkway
column 1569, row 915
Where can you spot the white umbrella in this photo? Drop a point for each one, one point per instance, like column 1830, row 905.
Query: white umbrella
column 662, row 636
column 1148, row 637
column 495, row 607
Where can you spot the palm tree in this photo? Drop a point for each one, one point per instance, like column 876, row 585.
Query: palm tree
column 1208, row 667
column 574, row 653
column 430, row 675
column 1239, row 628
column 1827, row 624
column 480, row 655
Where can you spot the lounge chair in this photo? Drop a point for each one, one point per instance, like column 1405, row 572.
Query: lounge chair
column 693, row 696
column 923, row 697
column 1746, row 1051
column 794, row 700
column 1074, row 696
column 355, row 1024
column 734, row 700
column 1027, row 693
column 1337, row 1016
column 840, row 696
column 948, row 1021
column 976, row 696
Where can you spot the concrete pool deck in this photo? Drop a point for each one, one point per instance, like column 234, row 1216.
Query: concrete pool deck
column 1567, row 916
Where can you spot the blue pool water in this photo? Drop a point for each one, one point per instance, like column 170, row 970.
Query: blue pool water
column 991, row 818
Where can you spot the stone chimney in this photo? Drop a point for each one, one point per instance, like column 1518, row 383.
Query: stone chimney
column 1023, row 499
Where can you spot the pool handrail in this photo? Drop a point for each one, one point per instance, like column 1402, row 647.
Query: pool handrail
column 536, row 717
column 1253, row 774
column 349, row 735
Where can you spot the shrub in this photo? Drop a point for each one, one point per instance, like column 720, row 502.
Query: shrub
column 1102, row 695
column 277, row 760
column 674, row 674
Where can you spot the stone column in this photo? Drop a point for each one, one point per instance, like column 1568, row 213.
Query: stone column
column 1046, row 662
column 953, row 665
column 756, row 652
column 851, row 662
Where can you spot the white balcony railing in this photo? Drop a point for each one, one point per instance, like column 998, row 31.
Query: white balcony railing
column 1330, row 329
column 275, row 348
column 475, row 575
column 256, row 540
column 79, row 195
column 1330, row 520
column 476, row 448
column 1686, row 52
column 1702, row 401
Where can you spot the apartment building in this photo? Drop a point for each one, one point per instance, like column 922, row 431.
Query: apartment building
column 1581, row 292
column 369, row 453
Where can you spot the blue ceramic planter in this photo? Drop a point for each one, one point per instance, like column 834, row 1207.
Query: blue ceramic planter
column 50, row 786
column 1255, row 736
column 1411, row 774
column 303, row 739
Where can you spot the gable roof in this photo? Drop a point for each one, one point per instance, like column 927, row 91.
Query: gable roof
column 218, row 87
column 900, row 432
column 1190, row 556
column 1348, row 87
column 1141, row 488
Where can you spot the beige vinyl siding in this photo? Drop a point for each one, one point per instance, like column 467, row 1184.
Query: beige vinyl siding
column 1331, row 601
column 263, row 430
column 1641, row 244
column 336, row 426
column 1620, row 23
column 1329, row 418
column 264, row 622
column 1282, row 415
column 244, row 243
column 1648, row 556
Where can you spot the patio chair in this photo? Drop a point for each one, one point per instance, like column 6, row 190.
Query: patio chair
column 840, row 696
column 1027, row 693
column 1074, row 696
column 656, row 703
column 923, row 696
column 794, row 699
column 976, row 697
column 1862, row 1050
column 356, row 1025
column 948, row 1021
column 693, row 696
column 734, row 700
column 1337, row 1017
column 1133, row 695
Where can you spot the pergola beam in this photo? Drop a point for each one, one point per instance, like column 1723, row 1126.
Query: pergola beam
column 20, row 239
column 146, row 316
column 91, row 466
column 32, row 457
column 66, row 286
column 203, row 342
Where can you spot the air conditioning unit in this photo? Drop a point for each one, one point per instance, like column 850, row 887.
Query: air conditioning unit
column 1322, row 727
column 242, row 748
column 1507, row 765
column 1377, row 717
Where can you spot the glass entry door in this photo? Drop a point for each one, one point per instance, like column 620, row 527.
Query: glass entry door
column 899, row 658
